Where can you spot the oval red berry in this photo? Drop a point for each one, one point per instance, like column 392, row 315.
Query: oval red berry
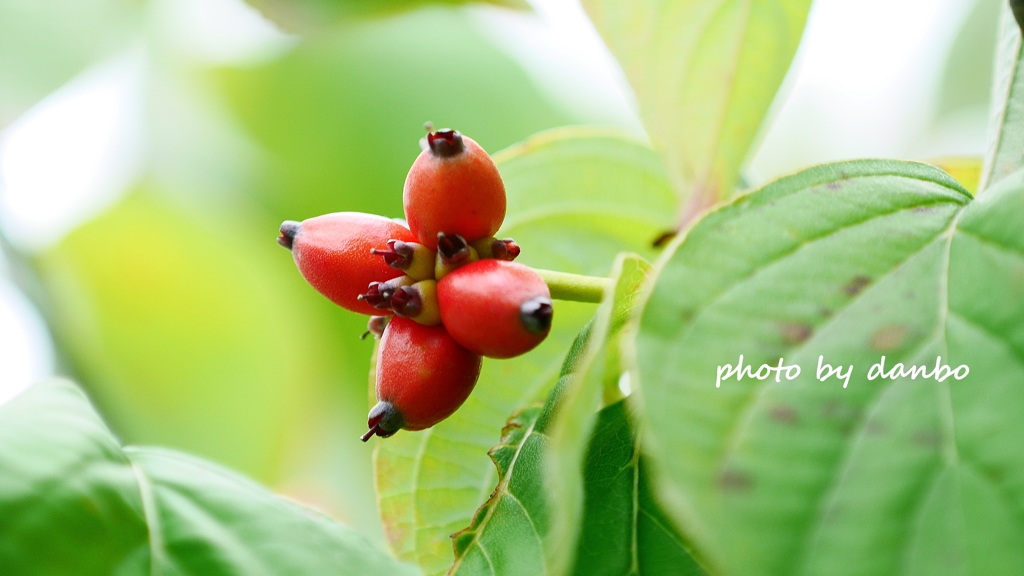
column 495, row 308
column 333, row 254
column 457, row 192
column 423, row 372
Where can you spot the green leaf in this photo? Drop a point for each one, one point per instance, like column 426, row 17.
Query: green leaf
column 704, row 75
column 577, row 401
column 576, row 198
column 623, row 529
column 1006, row 127
column 519, row 506
column 311, row 15
column 508, row 531
column 848, row 262
column 73, row 501
column 68, row 497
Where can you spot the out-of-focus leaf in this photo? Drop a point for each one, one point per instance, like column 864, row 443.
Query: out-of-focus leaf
column 704, row 74
column 844, row 264
column 579, row 196
column 192, row 331
column 623, row 529
column 967, row 77
column 1006, row 127
column 576, row 198
column 74, row 502
column 311, row 15
column 44, row 44
column 340, row 117
column 68, row 497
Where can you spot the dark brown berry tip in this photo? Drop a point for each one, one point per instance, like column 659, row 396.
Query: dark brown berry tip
column 446, row 143
column 384, row 420
column 407, row 302
column 377, row 295
column 506, row 249
column 376, row 325
column 289, row 230
column 536, row 314
column 397, row 255
column 452, row 247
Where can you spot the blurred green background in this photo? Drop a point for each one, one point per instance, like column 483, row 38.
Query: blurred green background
column 150, row 149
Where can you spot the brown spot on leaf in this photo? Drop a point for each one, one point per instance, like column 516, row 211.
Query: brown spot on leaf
column 856, row 285
column 663, row 238
column 926, row 438
column 875, row 428
column 783, row 414
column 734, row 480
column 924, row 210
column 833, row 185
column 889, row 338
column 795, row 332
column 833, row 513
column 825, row 312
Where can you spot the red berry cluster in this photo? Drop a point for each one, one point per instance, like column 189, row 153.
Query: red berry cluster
column 441, row 293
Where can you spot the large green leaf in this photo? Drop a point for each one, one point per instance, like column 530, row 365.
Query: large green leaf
column 849, row 262
column 704, row 75
column 1006, row 128
column 72, row 501
column 576, row 198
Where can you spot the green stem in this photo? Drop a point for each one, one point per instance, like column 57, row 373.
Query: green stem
column 575, row 287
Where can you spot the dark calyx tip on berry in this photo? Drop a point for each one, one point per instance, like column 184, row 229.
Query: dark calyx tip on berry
column 289, row 230
column 377, row 295
column 397, row 255
column 384, row 420
column 446, row 143
column 536, row 314
column 407, row 302
column 506, row 249
column 452, row 247
column 376, row 325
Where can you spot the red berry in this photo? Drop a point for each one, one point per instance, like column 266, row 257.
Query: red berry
column 495, row 308
column 453, row 187
column 333, row 253
column 423, row 376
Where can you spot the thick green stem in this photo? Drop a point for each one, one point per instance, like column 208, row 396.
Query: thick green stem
column 575, row 287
